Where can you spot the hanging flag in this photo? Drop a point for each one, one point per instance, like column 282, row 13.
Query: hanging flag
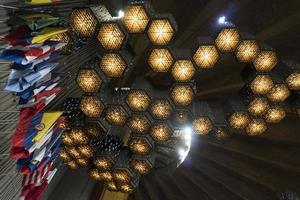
column 33, row 2
column 47, row 33
column 18, row 36
column 35, row 21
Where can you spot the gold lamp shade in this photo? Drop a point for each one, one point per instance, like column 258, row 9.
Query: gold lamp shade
column 112, row 65
column 275, row 114
column 279, row 93
column 239, row 120
column 182, row 95
column 91, row 106
column 110, row 36
column 78, row 136
column 160, row 60
column 183, row 70
column 293, row 81
column 121, row 176
column 111, row 186
column 258, row 106
column 139, row 146
column 202, row 125
column 160, row 31
column 206, row 56
column 140, row 166
column 136, row 19
column 139, row 124
column 106, row 176
column 160, row 132
column 261, row 84
column 247, row 51
column 256, row 127
column 138, row 100
column 265, row 61
column 227, row 40
column 160, row 109
column 83, row 22
column 103, row 162
column 85, row 151
column 88, row 80
column 116, row 115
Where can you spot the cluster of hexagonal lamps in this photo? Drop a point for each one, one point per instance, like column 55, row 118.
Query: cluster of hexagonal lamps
column 149, row 118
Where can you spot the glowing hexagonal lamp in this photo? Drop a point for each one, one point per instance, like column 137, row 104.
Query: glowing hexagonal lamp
column 138, row 100
column 160, row 59
column 111, row 36
column 113, row 65
column 88, row 80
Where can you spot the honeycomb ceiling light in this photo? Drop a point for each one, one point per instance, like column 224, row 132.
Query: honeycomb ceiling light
column 88, row 80
column 103, row 162
column 116, row 115
column 72, row 165
column 113, row 65
column 160, row 109
column 82, row 162
column 265, row 61
column 202, row 126
column 66, row 139
column 94, row 174
column 126, row 188
column 73, row 152
column 160, row 31
column 65, row 155
column 228, row 39
column 78, row 136
column 258, row 106
column 139, row 123
column 206, row 56
column 160, row 132
column 122, row 176
column 110, row 36
column 83, row 22
column 256, row 127
column 136, row 19
column 91, row 106
column 160, row 60
column 138, row 100
column 141, row 166
column 247, row 50
column 139, row 146
column 85, row 151
column 106, row 176
column 239, row 120
column 278, row 93
column 293, row 81
column 261, row 84
column 275, row 114
column 111, row 186
column 182, row 95
column 183, row 70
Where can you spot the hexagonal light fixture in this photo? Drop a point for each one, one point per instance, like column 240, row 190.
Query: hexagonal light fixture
column 161, row 59
column 112, row 65
column 116, row 115
column 183, row 70
column 182, row 94
column 261, row 84
column 91, row 106
column 239, row 120
column 279, row 93
column 88, row 80
column 161, row 31
column 138, row 100
column 140, row 145
column 206, row 56
column 160, row 132
column 265, row 61
column 136, row 18
column 228, row 39
column 160, row 109
column 139, row 124
column 247, row 51
column 258, row 106
column 111, row 36
column 202, row 125
column 256, row 127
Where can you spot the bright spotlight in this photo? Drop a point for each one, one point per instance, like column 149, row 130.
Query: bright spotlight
column 182, row 152
column 222, row 20
column 188, row 130
column 120, row 14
